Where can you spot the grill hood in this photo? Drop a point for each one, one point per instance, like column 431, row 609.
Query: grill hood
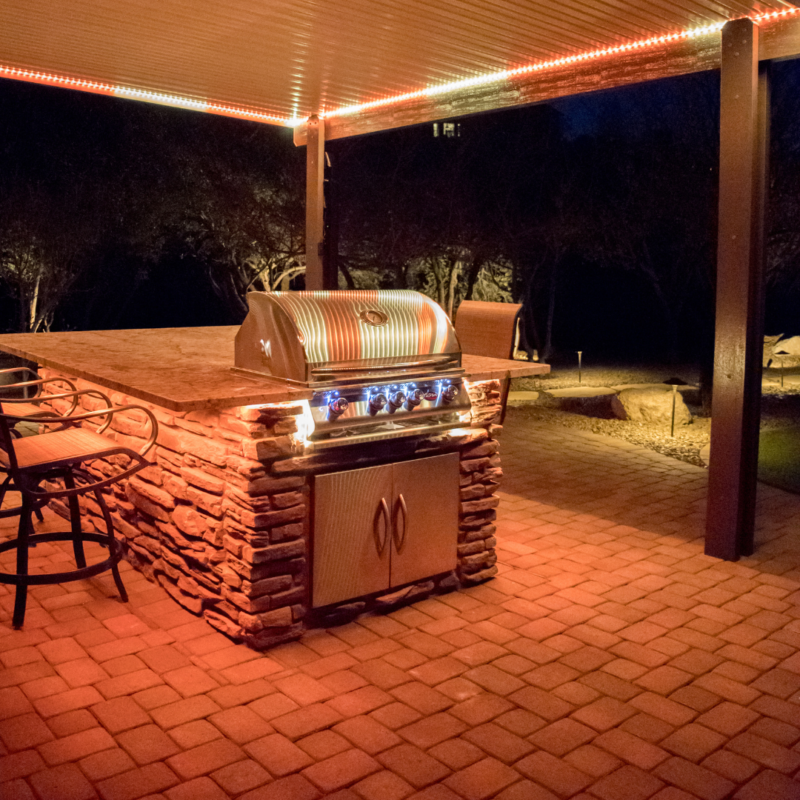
column 316, row 338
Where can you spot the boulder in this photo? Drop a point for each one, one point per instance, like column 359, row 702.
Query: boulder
column 591, row 401
column 781, row 353
column 650, row 405
column 790, row 346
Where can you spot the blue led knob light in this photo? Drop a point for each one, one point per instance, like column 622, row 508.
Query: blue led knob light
column 377, row 402
column 414, row 398
column 338, row 406
column 449, row 393
column 396, row 399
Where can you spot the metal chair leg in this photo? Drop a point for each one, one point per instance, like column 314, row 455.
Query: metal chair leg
column 505, row 388
column 4, row 488
column 75, row 521
column 21, row 593
column 7, row 482
column 114, row 550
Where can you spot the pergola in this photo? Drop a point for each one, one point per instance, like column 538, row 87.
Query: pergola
column 337, row 69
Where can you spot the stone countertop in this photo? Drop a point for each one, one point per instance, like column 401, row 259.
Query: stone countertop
column 186, row 369
column 483, row 368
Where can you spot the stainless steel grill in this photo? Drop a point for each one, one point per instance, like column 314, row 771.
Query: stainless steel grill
column 380, row 364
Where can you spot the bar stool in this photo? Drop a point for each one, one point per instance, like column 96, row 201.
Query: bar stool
column 63, row 455
column 490, row 329
column 30, row 408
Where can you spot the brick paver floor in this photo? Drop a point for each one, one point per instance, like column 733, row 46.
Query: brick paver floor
column 609, row 660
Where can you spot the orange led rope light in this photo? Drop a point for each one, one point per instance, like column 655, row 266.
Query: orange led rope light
column 160, row 98
column 505, row 74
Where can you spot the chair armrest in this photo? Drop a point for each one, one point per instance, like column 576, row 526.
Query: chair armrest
column 38, row 383
column 74, row 395
column 11, row 370
column 101, row 412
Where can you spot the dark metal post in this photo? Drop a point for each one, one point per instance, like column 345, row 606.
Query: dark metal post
column 315, row 202
column 744, row 110
column 330, row 257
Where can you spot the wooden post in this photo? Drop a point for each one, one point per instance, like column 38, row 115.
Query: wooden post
column 744, row 110
column 315, row 202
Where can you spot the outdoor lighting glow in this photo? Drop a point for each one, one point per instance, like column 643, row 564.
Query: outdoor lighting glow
column 305, row 425
column 480, row 80
column 55, row 80
column 160, row 98
column 775, row 14
column 465, row 417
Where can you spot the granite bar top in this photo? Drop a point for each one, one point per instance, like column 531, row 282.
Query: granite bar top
column 186, row 369
column 483, row 368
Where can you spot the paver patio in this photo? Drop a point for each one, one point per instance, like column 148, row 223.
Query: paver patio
column 609, row 660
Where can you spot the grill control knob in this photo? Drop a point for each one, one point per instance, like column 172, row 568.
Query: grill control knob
column 414, row 398
column 449, row 393
column 338, row 406
column 377, row 402
column 396, row 399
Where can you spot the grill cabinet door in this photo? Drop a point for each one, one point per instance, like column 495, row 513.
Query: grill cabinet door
column 425, row 508
column 350, row 525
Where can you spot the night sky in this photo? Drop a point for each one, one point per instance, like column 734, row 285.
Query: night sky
column 119, row 187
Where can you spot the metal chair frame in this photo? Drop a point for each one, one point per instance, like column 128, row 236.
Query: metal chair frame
column 7, row 485
column 27, row 480
column 26, row 402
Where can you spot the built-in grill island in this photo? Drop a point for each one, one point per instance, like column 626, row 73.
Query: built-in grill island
column 382, row 366
column 335, row 454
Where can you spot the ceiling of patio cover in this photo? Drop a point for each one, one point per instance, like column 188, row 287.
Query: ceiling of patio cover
column 292, row 58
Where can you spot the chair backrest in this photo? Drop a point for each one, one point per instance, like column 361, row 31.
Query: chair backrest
column 487, row 329
column 7, row 443
column 21, row 385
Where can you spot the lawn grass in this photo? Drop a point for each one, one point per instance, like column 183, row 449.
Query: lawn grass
column 779, row 458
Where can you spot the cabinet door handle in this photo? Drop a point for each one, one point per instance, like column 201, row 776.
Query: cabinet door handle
column 383, row 511
column 400, row 538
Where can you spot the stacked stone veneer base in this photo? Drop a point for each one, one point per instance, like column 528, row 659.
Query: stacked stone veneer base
column 221, row 518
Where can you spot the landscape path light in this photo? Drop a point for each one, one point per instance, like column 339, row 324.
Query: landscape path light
column 674, row 383
column 580, row 355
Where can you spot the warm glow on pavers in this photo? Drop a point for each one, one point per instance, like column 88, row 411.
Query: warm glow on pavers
column 608, row 653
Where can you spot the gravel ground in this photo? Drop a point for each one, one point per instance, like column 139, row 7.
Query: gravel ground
column 780, row 406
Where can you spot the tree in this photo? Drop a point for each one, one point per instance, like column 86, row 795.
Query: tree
column 44, row 248
column 783, row 217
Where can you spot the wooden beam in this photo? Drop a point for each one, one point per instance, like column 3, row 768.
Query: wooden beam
column 315, row 203
column 778, row 39
column 659, row 61
column 733, row 462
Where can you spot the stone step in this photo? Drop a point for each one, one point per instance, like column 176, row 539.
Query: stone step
column 688, row 388
column 788, row 380
column 522, row 398
column 581, row 391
